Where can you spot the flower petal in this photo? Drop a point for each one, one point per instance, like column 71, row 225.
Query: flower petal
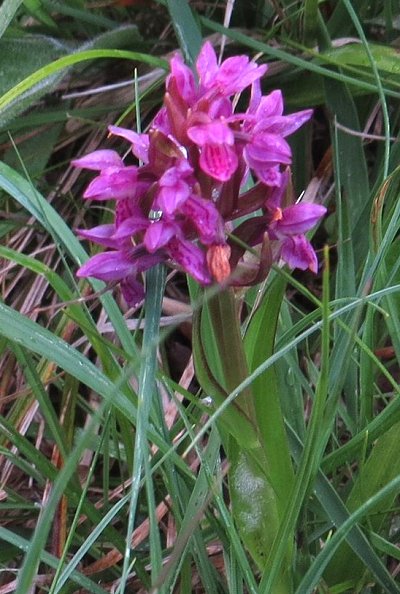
column 219, row 161
column 158, row 234
column 191, row 258
column 205, row 217
column 284, row 125
column 214, row 132
column 206, row 64
column 140, row 142
column 113, row 184
column 132, row 291
column 107, row 266
column 298, row 218
column 101, row 234
column 184, row 78
column 298, row 252
column 98, row 160
column 130, row 226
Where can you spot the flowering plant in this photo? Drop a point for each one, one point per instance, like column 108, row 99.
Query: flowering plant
column 183, row 203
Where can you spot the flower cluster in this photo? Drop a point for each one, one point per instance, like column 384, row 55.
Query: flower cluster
column 184, row 204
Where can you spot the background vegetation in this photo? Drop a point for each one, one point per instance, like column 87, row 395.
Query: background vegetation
column 71, row 353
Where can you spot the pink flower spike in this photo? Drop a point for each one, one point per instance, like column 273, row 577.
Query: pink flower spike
column 140, row 142
column 298, row 252
column 99, row 160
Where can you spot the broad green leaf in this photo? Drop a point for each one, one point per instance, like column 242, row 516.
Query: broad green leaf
column 186, row 28
column 337, row 513
column 259, row 345
column 386, row 57
column 7, row 12
column 19, row 58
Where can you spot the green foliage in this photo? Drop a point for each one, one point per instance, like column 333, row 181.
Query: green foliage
column 276, row 469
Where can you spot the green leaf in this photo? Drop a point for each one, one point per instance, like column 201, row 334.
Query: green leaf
column 386, row 58
column 259, row 346
column 186, row 29
column 33, row 337
column 42, row 79
column 23, row 545
column 7, row 12
column 382, row 466
column 35, row 7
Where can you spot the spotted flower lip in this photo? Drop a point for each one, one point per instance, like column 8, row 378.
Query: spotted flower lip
column 180, row 203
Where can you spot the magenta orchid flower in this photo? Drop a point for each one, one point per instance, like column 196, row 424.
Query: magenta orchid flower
column 178, row 204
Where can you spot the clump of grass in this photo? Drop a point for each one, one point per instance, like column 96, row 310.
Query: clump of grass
column 82, row 509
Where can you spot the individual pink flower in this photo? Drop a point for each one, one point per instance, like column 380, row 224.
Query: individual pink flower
column 233, row 76
column 216, row 141
column 266, row 128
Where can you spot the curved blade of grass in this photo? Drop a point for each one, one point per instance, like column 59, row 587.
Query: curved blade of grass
column 58, row 576
column 71, row 60
column 38, row 391
column 186, row 29
column 318, row 566
column 32, row 336
column 24, row 545
column 372, row 62
column 24, row 192
column 155, row 280
column 310, row 21
column 38, row 542
column 337, row 512
column 380, row 468
column 7, row 12
column 313, row 450
column 288, row 58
